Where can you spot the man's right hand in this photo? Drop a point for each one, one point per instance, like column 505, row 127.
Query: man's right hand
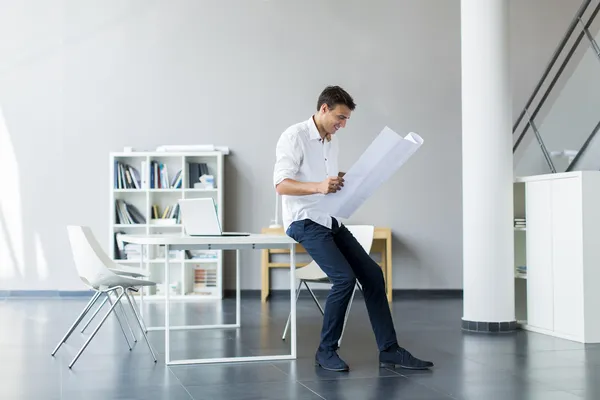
column 331, row 185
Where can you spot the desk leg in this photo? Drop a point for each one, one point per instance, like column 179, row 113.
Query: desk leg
column 238, row 301
column 293, row 351
column 293, row 297
column 388, row 263
column 264, row 290
column 142, row 289
column 167, row 291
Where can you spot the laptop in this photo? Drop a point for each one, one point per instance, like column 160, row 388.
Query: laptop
column 199, row 218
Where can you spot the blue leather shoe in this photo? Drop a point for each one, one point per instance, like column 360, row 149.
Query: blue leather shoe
column 329, row 360
column 397, row 356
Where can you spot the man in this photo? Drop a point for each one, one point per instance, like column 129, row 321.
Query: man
column 306, row 169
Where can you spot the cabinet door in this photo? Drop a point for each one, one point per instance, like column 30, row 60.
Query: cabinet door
column 540, row 288
column 567, row 256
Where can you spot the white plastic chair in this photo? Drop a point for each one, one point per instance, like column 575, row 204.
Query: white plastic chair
column 119, row 270
column 96, row 270
column 313, row 273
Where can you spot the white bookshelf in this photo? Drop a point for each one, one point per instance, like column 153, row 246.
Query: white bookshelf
column 200, row 277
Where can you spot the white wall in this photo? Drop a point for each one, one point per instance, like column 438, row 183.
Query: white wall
column 81, row 78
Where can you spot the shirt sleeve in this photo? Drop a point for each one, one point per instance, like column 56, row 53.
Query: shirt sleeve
column 288, row 158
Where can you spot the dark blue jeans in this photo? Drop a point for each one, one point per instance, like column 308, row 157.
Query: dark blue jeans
column 344, row 261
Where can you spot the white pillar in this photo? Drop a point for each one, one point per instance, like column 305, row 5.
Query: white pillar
column 488, row 233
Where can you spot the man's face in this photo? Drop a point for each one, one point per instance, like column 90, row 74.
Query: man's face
column 335, row 118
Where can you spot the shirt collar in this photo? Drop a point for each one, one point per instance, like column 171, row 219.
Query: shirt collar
column 312, row 129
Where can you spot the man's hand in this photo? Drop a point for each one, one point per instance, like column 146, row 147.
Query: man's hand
column 331, row 185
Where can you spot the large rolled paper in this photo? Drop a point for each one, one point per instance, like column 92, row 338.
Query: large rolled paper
column 386, row 154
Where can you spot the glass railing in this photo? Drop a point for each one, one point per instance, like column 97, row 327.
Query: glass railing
column 556, row 130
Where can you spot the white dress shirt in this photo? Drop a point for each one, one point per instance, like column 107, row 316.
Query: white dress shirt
column 303, row 156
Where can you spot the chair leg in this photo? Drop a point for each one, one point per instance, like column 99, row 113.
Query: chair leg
column 140, row 324
column 314, row 298
column 94, row 314
column 127, row 321
column 287, row 324
column 119, row 320
column 95, row 330
column 77, row 321
column 137, row 308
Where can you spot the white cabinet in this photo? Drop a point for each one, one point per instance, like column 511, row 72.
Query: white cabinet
column 567, row 256
column 540, row 298
column 563, row 254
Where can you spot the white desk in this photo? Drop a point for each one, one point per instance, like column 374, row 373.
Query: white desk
column 237, row 243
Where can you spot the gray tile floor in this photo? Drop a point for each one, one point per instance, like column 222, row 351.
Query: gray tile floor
column 521, row 365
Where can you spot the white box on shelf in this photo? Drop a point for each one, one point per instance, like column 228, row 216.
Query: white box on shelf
column 163, row 221
column 174, row 287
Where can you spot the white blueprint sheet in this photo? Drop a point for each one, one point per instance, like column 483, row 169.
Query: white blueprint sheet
column 382, row 158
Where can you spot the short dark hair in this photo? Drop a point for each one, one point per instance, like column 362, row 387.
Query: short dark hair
column 334, row 95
